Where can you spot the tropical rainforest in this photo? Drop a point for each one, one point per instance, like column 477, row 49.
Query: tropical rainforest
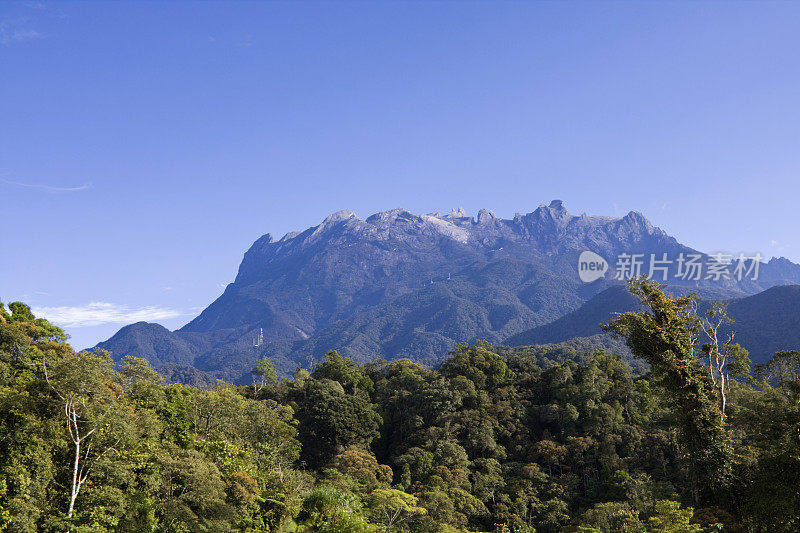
column 692, row 439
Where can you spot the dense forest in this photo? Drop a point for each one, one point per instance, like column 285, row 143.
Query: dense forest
column 494, row 440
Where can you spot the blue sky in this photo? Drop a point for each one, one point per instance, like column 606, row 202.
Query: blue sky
column 145, row 146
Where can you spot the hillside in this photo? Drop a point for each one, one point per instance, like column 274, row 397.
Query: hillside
column 768, row 322
column 583, row 322
column 763, row 323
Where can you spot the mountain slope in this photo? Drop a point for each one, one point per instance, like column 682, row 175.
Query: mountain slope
column 764, row 323
column 583, row 322
column 768, row 322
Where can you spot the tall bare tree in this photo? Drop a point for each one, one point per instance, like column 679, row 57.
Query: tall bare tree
column 90, row 394
column 725, row 358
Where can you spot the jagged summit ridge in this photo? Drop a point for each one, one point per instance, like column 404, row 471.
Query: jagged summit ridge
column 382, row 238
column 542, row 218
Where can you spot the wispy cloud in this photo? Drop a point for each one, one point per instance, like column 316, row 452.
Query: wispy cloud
column 46, row 188
column 18, row 35
column 97, row 313
column 17, row 31
column 23, row 21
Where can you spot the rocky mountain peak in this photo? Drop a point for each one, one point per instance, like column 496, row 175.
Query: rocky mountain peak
column 390, row 216
column 485, row 217
column 289, row 236
column 554, row 211
column 638, row 221
column 457, row 213
column 338, row 216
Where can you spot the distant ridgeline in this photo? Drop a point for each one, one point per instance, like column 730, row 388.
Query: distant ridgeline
column 404, row 285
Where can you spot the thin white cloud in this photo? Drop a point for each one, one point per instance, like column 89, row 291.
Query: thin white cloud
column 19, row 23
column 18, row 36
column 97, row 313
column 16, row 31
column 46, row 188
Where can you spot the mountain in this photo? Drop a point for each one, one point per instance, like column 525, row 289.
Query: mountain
column 763, row 323
column 154, row 342
column 399, row 284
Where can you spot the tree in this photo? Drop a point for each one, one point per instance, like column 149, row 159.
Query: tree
column 91, row 398
column 725, row 358
column 332, row 421
column 31, row 435
column 329, row 510
column 479, row 363
column 362, row 467
column 141, row 383
column 390, row 507
column 670, row 518
column 345, row 371
column 191, row 491
column 611, row 517
column 770, row 419
column 783, row 370
column 263, row 375
column 619, row 517
column 665, row 335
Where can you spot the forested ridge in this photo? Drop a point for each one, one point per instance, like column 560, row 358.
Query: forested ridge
column 495, row 440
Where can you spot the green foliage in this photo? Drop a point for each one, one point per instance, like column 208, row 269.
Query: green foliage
column 670, row 518
column 263, row 375
column 332, row 420
column 329, row 510
column 392, row 507
column 511, row 441
column 345, row 371
column 611, row 517
column 479, row 364
column 362, row 467
column 782, row 371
